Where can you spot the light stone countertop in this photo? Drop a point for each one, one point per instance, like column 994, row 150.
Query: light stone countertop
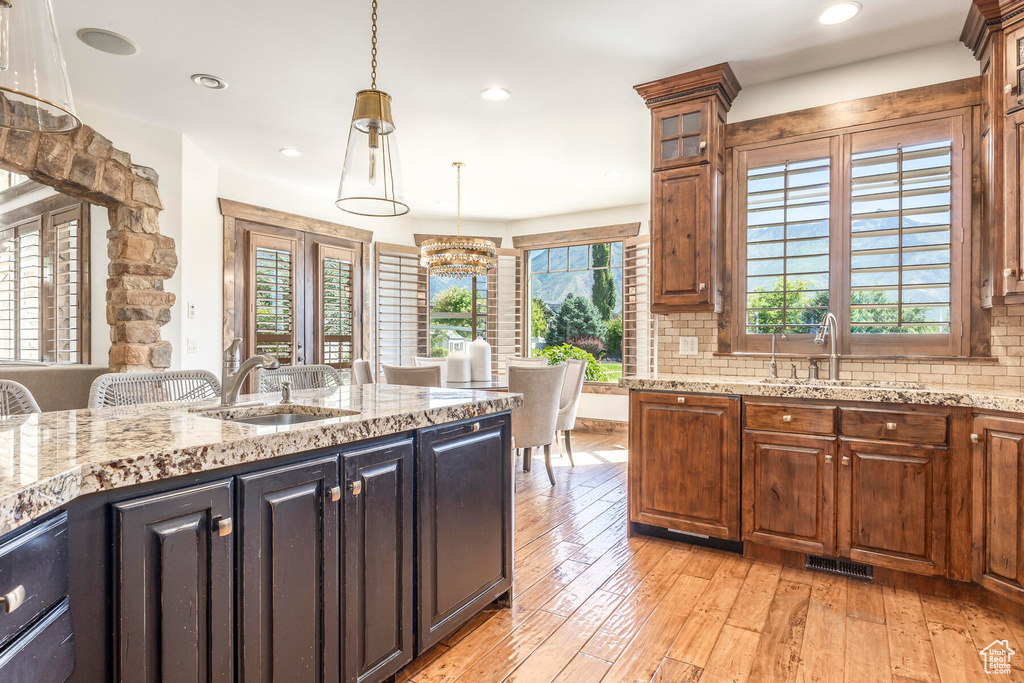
column 983, row 398
column 48, row 460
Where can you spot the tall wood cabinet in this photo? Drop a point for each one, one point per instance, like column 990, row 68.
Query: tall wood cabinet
column 688, row 114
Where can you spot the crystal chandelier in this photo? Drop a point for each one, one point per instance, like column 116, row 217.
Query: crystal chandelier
column 371, row 179
column 458, row 256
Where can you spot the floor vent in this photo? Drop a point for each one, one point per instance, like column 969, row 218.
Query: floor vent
column 854, row 570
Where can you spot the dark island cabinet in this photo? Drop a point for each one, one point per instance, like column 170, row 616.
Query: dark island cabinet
column 378, row 560
column 464, row 524
column 289, row 602
column 175, row 586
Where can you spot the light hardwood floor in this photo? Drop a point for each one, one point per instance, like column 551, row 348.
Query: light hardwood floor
column 591, row 605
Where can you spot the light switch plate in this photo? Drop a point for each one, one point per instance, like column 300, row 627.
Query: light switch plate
column 192, row 345
column 687, row 346
column 191, row 310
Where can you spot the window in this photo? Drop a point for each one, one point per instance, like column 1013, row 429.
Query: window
column 458, row 313
column 867, row 224
column 43, row 294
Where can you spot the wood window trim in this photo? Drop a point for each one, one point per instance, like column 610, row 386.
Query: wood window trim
column 962, row 339
column 280, row 219
column 569, row 238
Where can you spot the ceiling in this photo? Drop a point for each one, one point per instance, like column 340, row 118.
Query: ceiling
column 293, row 69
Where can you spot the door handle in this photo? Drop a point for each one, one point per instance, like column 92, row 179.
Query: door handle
column 828, row 458
column 334, row 494
column 225, row 526
column 13, row 600
column 356, row 487
column 845, row 460
column 890, row 426
column 975, row 438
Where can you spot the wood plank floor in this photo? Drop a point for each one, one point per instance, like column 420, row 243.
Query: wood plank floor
column 592, row 605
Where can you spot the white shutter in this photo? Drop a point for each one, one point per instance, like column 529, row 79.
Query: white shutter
column 402, row 312
column 505, row 308
column 639, row 342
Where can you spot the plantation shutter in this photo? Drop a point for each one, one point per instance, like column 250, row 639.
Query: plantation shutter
column 639, row 341
column 336, row 289
column 402, row 309
column 505, row 328
column 273, row 298
column 64, row 277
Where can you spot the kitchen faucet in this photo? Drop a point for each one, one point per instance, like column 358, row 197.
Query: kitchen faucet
column 234, row 374
column 829, row 326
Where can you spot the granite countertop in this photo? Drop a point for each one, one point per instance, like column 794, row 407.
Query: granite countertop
column 49, row 459
column 985, row 398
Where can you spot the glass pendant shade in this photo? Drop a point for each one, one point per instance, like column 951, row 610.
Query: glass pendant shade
column 35, row 94
column 371, row 180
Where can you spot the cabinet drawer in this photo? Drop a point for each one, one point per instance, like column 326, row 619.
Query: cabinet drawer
column 35, row 562
column 889, row 425
column 797, row 419
column 44, row 654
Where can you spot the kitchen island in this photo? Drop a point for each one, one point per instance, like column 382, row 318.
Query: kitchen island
column 175, row 542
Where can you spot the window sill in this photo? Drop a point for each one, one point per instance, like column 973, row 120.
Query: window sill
column 861, row 358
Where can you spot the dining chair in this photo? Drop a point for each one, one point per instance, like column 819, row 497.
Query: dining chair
column 524, row 362
column 133, row 388
column 362, row 373
column 533, row 424
column 569, row 403
column 428, row 376
column 16, row 399
column 425, row 362
column 301, row 376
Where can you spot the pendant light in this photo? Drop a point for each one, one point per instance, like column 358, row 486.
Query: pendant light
column 458, row 256
column 35, row 94
column 371, row 180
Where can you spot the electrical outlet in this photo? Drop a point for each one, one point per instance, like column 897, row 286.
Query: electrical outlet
column 192, row 345
column 687, row 346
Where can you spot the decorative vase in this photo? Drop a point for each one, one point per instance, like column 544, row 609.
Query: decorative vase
column 458, row 367
column 480, row 360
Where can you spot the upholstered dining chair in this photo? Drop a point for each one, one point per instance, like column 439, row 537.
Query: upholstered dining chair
column 425, row 362
column 429, row 376
column 133, row 388
column 301, row 376
column 16, row 399
column 569, row 403
column 524, row 362
column 533, row 424
column 362, row 373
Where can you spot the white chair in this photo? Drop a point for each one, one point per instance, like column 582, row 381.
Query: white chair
column 533, row 424
column 302, row 377
column 133, row 388
column 361, row 372
column 16, row 399
column 422, row 362
column 524, row 362
column 428, row 376
column 572, row 388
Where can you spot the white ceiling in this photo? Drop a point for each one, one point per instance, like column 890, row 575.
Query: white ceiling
column 293, row 69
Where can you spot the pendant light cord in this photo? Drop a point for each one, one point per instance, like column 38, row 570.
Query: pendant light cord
column 458, row 204
column 373, row 48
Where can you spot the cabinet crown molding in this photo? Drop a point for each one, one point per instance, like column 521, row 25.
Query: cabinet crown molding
column 986, row 15
column 718, row 79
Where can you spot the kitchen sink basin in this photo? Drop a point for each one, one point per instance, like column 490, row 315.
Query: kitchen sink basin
column 274, row 415
column 278, row 419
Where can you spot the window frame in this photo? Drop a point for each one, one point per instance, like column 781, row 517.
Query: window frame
column 840, row 142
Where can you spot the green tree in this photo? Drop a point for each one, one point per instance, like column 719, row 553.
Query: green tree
column 559, row 354
column 577, row 317
column 540, row 316
column 603, row 293
column 613, row 339
column 455, row 299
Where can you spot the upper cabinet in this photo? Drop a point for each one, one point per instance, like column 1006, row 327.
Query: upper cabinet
column 688, row 115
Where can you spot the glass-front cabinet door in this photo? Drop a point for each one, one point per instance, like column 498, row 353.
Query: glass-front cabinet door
column 1014, row 86
column 681, row 135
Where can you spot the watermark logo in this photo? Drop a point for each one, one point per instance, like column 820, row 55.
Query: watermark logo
column 997, row 657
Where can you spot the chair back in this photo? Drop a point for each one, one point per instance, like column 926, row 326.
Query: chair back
column 533, row 424
column 572, row 388
column 362, row 373
column 133, row 388
column 15, row 399
column 428, row 376
column 302, row 377
column 442, row 363
column 524, row 362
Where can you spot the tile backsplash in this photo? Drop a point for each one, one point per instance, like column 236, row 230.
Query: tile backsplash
column 1003, row 369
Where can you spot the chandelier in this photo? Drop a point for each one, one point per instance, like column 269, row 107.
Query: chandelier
column 458, row 256
column 371, row 179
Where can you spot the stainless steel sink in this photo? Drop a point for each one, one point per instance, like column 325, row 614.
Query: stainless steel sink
column 278, row 420
column 274, row 415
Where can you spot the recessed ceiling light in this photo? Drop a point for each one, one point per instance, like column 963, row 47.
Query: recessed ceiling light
column 108, row 41
column 839, row 12
column 444, row 202
column 290, row 152
column 208, row 81
column 495, row 94
column 613, row 174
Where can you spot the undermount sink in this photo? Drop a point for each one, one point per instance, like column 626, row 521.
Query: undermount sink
column 277, row 420
column 274, row 415
column 843, row 383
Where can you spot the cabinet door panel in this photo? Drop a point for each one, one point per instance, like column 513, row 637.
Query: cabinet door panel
column 892, row 508
column 174, row 586
column 680, row 134
column 290, row 571
column 464, row 537
column 378, row 531
column 681, row 238
column 789, row 492
column 998, row 501
column 684, row 468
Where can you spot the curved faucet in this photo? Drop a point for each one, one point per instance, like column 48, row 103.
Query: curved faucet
column 234, row 373
column 830, row 326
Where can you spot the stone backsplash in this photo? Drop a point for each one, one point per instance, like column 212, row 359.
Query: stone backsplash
column 1003, row 369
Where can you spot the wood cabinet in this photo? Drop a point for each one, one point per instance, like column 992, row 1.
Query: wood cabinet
column 684, row 469
column 175, row 586
column 378, row 560
column 789, row 491
column 998, row 490
column 289, row 603
column 688, row 114
column 464, row 524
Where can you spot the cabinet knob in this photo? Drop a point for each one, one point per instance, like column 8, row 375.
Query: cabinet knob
column 12, row 601
column 703, row 146
column 356, row 487
column 828, row 457
column 787, row 418
column 702, row 286
column 975, row 438
column 1008, row 88
column 225, row 526
column 890, row 426
column 476, row 426
column 681, row 399
column 334, row 494
column 846, row 460
column 1009, row 272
